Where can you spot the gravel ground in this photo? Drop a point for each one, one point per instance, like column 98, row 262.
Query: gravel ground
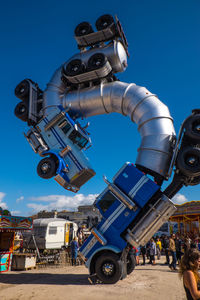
column 145, row 282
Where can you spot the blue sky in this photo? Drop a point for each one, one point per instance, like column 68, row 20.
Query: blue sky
column 37, row 37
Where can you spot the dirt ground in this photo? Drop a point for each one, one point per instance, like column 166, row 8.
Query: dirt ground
column 145, row 282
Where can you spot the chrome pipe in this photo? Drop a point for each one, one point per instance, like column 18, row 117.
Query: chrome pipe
column 155, row 124
column 54, row 92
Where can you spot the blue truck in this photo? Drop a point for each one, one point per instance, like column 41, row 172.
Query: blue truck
column 132, row 208
column 56, row 137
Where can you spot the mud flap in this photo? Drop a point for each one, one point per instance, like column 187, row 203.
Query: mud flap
column 124, row 263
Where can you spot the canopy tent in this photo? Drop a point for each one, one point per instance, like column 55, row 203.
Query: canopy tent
column 9, row 225
column 187, row 216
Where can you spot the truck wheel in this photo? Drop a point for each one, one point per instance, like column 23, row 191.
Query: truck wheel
column 83, row 28
column 22, row 90
column 188, row 161
column 74, row 67
column 47, row 168
column 192, row 128
column 103, row 22
column 108, row 268
column 96, row 61
column 21, row 111
column 130, row 263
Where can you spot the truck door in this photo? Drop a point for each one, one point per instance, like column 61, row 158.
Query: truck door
column 69, row 229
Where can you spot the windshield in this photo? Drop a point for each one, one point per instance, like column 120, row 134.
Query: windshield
column 64, row 126
column 78, row 139
column 107, row 200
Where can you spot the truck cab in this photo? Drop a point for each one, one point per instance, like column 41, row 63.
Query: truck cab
column 61, row 141
column 130, row 198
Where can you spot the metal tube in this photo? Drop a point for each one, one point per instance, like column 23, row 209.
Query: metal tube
column 54, row 92
column 155, row 124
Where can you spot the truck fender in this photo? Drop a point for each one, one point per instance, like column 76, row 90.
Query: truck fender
column 61, row 165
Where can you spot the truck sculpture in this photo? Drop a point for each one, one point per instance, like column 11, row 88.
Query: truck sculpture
column 133, row 206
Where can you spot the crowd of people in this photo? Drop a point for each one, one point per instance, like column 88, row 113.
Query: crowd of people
column 172, row 247
column 183, row 251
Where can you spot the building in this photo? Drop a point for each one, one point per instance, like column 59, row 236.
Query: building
column 86, row 215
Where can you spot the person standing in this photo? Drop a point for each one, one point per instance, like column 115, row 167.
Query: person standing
column 172, row 249
column 166, row 249
column 188, row 270
column 158, row 248
column 178, row 244
column 74, row 251
column 137, row 253
column 152, row 251
column 143, row 252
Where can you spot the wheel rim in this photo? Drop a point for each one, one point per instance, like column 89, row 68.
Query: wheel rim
column 104, row 21
column 196, row 127
column 96, row 61
column 108, row 269
column 74, row 68
column 45, row 167
column 191, row 160
column 83, row 30
column 22, row 90
column 22, row 110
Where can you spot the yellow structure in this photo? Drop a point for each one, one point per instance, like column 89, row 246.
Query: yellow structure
column 188, row 217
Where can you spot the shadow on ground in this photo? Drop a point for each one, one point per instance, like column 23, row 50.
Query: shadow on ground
column 44, row 278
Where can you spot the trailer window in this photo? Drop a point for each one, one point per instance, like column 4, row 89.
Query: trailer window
column 78, row 139
column 52, row 230
column 107, row 200
column 64, row 126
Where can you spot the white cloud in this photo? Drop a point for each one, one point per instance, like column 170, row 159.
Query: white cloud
column 2, row 204
column 15, row 212
column 20, row 199
column 61, row 202
column 179, row 199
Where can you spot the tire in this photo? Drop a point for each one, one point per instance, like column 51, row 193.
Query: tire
column 96, row 61
column 83, row 28
column 21, row 111
column 108, row 268
column 22, row 90
column 192, row 128
column 103, row 22
column 47, row 168
column 188, row 161
column 130, row 263
column 74, row 67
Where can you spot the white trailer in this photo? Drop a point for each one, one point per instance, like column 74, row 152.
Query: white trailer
column 52, row 233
